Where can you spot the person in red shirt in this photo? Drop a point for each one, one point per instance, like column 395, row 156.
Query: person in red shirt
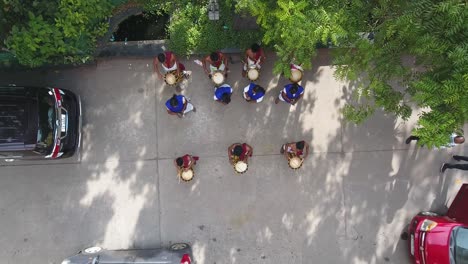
column 299, row 149
column 185, row 163
column 239, row 152
column 216, row 61
column 169, row 63
column 253, row 57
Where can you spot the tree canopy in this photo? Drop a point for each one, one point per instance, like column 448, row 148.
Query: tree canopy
column 52, row 32
column 398, row 53
column 191, row 31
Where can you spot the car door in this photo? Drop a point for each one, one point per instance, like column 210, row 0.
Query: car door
column 459, row 208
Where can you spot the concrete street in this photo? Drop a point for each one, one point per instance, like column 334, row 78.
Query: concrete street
column 349, row 203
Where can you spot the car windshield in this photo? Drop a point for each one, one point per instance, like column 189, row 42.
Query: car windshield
column 459, row 247
column 47, row 122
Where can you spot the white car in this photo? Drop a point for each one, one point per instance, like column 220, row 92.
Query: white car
column 179, row 253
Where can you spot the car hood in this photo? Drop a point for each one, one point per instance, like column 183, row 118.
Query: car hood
column 436, row 244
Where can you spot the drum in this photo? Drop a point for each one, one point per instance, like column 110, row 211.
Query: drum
column 241, row 167
column 171, row 78
column 295, row 163
column 253, row 73
column 218, row 78
column 296, row 76
column 187, row 175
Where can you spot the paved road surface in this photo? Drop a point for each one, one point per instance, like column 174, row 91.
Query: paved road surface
column 347, row 204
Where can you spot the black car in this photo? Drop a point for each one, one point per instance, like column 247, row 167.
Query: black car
column 38, row 123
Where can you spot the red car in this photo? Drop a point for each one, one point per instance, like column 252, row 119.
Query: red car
column 441, row 239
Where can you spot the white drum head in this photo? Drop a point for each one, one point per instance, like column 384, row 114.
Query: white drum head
column 296, row 75
column 187, row 175
column 253, row 74
column 170, row 78
column 218, row 78
column 241, row 167
column 295, row 163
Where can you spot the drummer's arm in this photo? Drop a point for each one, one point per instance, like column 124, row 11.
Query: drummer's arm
column 225, row 61
column 156, row 68
column 246, row 57
column 204, row 65
column 286, row 152
column 181, row 114
column 262, row 56
column 249, row 150
column 192, row 161
column 230, row 153
column 174, row 59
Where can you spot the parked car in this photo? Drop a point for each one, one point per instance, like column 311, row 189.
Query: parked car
column 179, row 253
column 38, row 123
column 441, row 239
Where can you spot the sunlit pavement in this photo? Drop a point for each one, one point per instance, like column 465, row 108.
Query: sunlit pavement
column 349, row 203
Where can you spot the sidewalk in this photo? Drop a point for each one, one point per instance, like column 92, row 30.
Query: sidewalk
column 347, row 204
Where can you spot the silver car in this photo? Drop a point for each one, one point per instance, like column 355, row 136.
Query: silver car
column 179, row 253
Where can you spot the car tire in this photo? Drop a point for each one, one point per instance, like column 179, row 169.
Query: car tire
column 427, row 213
column 178, row 246
column 91, row 250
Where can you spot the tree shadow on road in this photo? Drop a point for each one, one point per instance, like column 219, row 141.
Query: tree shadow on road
column 347, row 204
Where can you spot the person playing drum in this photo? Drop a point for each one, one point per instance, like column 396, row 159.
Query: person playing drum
column 179, row 105
column 223, row 94
column 296, row 73
column 254, row 93
column 254, row 57
column 239, row 152
column 216, row 61
column 298, row 149
column 169, row 63
column 185, row 163
column 290, row 94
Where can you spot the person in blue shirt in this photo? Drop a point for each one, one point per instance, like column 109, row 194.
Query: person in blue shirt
column 223, row 94
column 179, row 105
column 254, row 93
column 290, row 94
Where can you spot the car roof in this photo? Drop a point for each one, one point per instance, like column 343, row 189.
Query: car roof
column 18, row 118
column 12, row 121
